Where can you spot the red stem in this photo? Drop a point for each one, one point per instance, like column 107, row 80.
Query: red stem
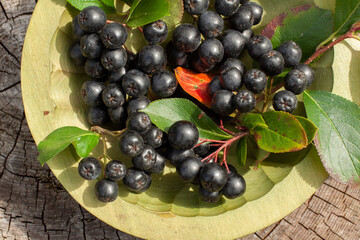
column 210, row 140
column 224, row 129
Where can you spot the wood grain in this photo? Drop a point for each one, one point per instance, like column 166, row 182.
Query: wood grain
column 33, row 205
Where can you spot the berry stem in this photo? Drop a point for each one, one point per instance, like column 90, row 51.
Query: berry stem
column 221, row 126
column 204, row 140
column 100, row 130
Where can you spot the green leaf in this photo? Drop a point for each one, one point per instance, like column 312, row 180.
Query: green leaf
column 175, row 17
column 308, row 29
column 81, row 4
column 347, row 12
column 241, row 151
column 132, row 8
column 165, row 112
column 147, row 11
column 109, row 3
column 278, row 132
column 83, row 141
column 309, row 127
column 338, row 138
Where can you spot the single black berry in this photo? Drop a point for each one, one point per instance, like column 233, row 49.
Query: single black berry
column 146, row 159
column 137, row 104
column 202, row 150
column 76, row 56
column 248, row 33
column 92, row 19
column 154, row 137
column 113, row 60
column 255, row 81
column 295, row 81
column 91, row 46
column 113, row 96
column 135, row 83
column 152, row 58
column 242, row 20
column 94, row 68
column 233, row 62
column 256, row 10
column 222, row 102
column 116, row 76
column 231, row 79
column 164, row 83
column 176, row 57
column 209, row 197
column 210, row 24
column 196, row 7
column 159, row 164
column 183, row 135
column 155, row 32
column 89, row 168
column 113, row 35
column 106, row 190
column 227, row 7
column 233, row 43
column 285, row 101
column 189, row 169
column 91, row 92
column 213, row 177
column 272, row 63
column 118, row 116
column 244, row 101
column 309, row 73
column 291, row 52
column 115, row 170
column 214, row 86
column 97, row 116
column 78, row 32
column 211, row 51
column 139, row 122
column 131, row 143
column 186, row 38
column 177, row 156
column 258, row 45
column 136, row 180
column 198, row 65
column 234, row 187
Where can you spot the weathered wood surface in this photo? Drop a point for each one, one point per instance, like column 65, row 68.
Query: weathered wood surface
column 33, row 205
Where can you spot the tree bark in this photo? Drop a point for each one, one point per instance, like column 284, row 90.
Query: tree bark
column 33, row 205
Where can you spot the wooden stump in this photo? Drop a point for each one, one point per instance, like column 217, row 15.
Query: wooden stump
column 33, row 205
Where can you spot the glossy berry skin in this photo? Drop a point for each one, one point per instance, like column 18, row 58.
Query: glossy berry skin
column 91, row 46
column 92, row 19
column 137, row 181
column 137, row 104
column 139, row 122
column 155, row 32
column 198, row 65
column 131, row 143
column 89, row 168
column 210, row 24
column 234, row 187
column 106, row 190
column 115, row 170
column 78, row 32
column 116, row 76
column 97, row 116
column 91, row 92
column 255, row 81
column 177, row 156
column 196, row 7
column 222, row 102
column 285, row 101
column 186, row 38
column 244, row 101
column 202, row 150
column 76, row 56
column 233, row 43
column 164, row 83
column 146, row 159
column 256, row 10
column 154, row 137
column 118, row 116
column 159, row 164
column 227, row 7
column 189, row 169
column 214, row 86
column 295, row 81
column 231, row 79
column 248, row 34
column 308, row 71
column 113, row 96
column 209, row 197
column 152, row 58
column 258, row 45
column 211, row 51
column 175, row 57
column 272, row 63
column 213, row 177
column 183, row 135
column 94, row 68
column 135, row 83
column 233, row 62
column 291, row 52
column 113, row 60
column 113, row 35
column 242, row 20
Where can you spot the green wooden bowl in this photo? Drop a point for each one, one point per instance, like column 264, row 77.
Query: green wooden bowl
column 169, row 209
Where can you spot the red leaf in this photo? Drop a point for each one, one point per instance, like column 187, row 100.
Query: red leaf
column 195, row 84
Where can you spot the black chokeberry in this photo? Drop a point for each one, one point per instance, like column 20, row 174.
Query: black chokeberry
column 78, row 32
column 159, row 164
column 272, row 63
column 116, row 76
column 164, row 83
column 115, row 170
column 202, row 150
column 183, row 135
column 198, row 65
column 227, row 7
column 291, row 52
column 76, row 56
column 89, row 168
column 139, row 122
column 222, row 102
column 186, row 38
column 155, row 32
column 91, row 46
column 94, row 68
column 135, row 83
column 91, row 92
column 233, row 62
column 211, row 51
column 256, row 10
column 258, row 45
column 97, row 116
column 213, row 177
column 285, row 101
column 118, row 116
column 248, row 33
column 231, row 79
column 196, row 7
column 146, row 159
column 233, row 43
column 309, row 73
column 242, row 20
column 209, row 197
column 177, row 156
column 295, row 81
column 176, row 57
column 113, row 96
column 152, row 58
column 136, row 180
column 92, row 19
column 244, row 101
column 113, row 35
column 106, row 190
column 115, row 59
column 137, row 104
column 154, row 137
column 234, row 187
column 131, row 143
column 189, row 169
column 244, row 1
column 210, row 24
column 214, row 86
column 255, row 81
